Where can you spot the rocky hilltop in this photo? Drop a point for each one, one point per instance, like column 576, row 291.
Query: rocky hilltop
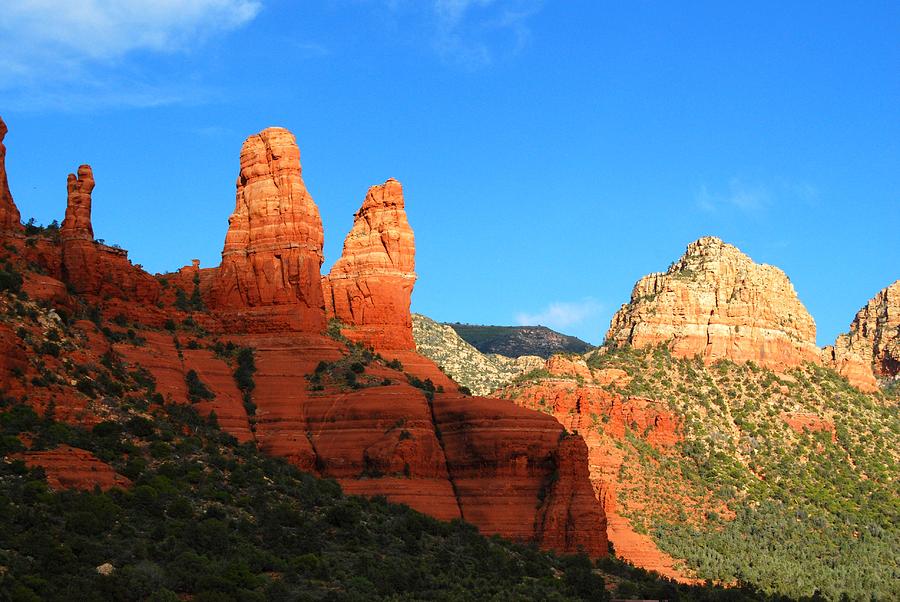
column 247, row 341
column 717, row 303
column 482, row 374
column 518, row 341
column 872, row 346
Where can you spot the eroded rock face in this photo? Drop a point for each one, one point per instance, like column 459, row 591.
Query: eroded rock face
column 92, row 268
column 10, row 219
column 369, row 287
column 601, row 418
column 72, row 468
column 77, row 223
column 717, row 303
column 269, row 279
column 872, row 347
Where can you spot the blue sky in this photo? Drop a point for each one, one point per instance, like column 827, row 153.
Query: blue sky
column 551, row 152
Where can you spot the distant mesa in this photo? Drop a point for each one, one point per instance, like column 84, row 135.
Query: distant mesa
column 716, row 303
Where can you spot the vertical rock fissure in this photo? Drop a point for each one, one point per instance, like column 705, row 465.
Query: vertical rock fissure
column 440, row 440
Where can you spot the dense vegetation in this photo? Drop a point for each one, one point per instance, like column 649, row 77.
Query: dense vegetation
column 208, row 517
column 744, row 498
column 514, row 341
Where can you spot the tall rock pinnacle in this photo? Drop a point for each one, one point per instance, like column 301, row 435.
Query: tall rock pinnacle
column 369, row 287
column 77, row 223
column 270, row 272
column 717, row 303
column 10, row 219
column 79, row 252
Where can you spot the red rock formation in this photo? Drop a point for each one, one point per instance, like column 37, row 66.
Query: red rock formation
column 269, row 279
column 369, row 287
column 10, row 219
column 13, row 362
column 717, row 303
column 77, row 223
column 484, row 460
column 72, row 468
column 813, row 423
column 89, row 267
column 601, row 417
column 850, row 364
column 872, row 347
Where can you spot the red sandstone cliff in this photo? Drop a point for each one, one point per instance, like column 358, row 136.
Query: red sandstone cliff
column 717, row 303
column 577, row 396
column 269, row 279
column 10, row 220
column 369, row 287
column 505, row 469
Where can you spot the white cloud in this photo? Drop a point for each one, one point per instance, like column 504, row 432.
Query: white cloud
column 474, row 33
column 561, row 314
column 65, row 51
column 738, row 195
column 756, row 198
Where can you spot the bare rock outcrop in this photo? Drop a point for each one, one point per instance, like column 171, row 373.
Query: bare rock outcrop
column 269, row 277
column 88, row 266
column 872, row 346
column 369, row 287
column 717, row 303
column 10, row 219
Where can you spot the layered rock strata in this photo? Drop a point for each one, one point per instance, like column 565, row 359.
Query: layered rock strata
column 872, row 346
column 10, row 219
column 369, row 288
column 269, row 278
column 717, row 303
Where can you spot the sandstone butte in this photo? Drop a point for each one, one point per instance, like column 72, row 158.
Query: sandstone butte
column 577, row 396
column 506, row 469
column 872, row 346
column 717, row 303
column 369, row 287
column 10, row 220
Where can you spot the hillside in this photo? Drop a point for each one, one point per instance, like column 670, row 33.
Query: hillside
column 319, row 370
column 747, row 475
column 516, row 341
column 482, row 374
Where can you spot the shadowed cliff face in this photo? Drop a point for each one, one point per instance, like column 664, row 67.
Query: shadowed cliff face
column 400, row 429
column 717, row 303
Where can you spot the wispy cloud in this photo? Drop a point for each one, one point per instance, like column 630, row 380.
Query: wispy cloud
column 755, row 198
column 473, row 34
column 64, row 54
column 737, row 195
column 561, row 314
